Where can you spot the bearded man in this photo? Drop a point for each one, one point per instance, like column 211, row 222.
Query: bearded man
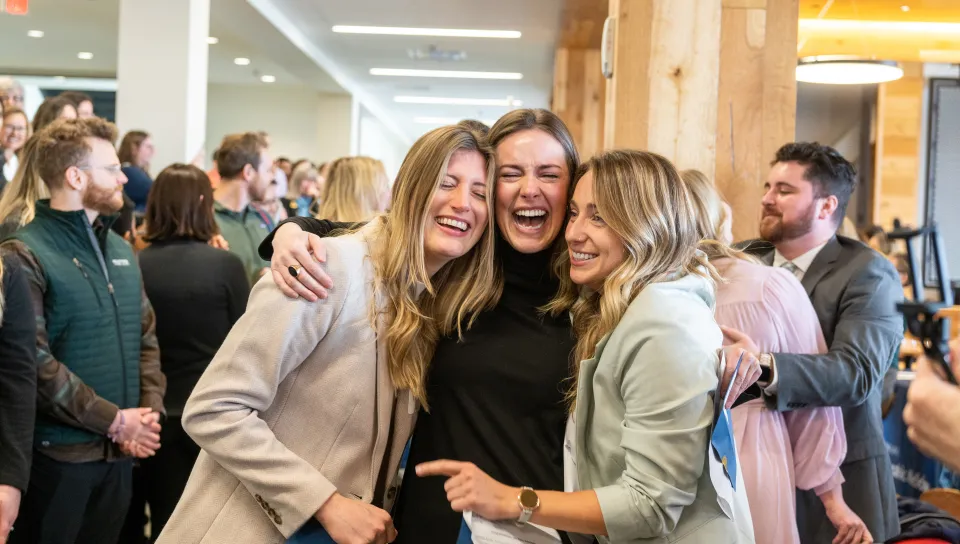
column 855, row 291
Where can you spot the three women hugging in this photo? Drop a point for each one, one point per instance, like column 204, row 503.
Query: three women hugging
column 304, row 412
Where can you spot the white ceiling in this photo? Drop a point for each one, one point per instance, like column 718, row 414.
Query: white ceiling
column 71, row 26
column 355, row 55
column 292, row 40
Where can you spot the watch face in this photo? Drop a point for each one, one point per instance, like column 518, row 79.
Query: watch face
column 529, row 499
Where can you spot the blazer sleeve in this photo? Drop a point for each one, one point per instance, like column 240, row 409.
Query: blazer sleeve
column 867, row 334
column 18, row 378
column 668, row 376
column 268, row 343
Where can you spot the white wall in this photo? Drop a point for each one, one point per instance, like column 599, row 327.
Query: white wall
column 376, row 141
column 301, row 122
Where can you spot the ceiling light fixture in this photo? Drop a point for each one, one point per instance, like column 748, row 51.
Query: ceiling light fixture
column 59, row 78
column 444, row 74
column 35, row 33
column 84, row 55
column 447, row 121
column 905, row 8
column 443, row 32
column 504, row 102
column 241, row 61
column 213, row 41
column 268, row 79
column 842, row 70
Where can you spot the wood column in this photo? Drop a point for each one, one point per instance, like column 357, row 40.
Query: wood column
column 897, row 159
column 709, row 84
column 578, row 96
column 757, row 101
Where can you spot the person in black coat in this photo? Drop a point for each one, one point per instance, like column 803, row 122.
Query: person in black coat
column 18, row 391
column 198, row 292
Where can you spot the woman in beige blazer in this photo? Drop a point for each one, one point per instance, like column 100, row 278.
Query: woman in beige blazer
column 304, row 412
column 641, row 297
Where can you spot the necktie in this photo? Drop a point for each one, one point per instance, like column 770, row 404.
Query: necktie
column 792, row 268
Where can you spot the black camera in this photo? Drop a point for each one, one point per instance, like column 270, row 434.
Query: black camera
column 932, row 331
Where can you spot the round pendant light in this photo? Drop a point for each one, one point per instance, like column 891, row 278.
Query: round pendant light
column 843, row 70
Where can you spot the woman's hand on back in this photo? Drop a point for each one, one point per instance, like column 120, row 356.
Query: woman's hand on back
column 292, row 247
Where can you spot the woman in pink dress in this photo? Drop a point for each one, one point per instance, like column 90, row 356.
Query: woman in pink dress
column 779, row 451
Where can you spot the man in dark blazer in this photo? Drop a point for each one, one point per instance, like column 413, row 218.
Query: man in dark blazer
column 854, row 291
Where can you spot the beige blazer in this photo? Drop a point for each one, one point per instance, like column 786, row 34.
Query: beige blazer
column 296, row 405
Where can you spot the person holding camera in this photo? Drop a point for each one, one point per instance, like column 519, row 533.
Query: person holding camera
column 932, row 413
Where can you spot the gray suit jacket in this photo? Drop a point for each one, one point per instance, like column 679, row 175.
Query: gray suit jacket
column 854, row 290
column 298, row 404
column 644, row 416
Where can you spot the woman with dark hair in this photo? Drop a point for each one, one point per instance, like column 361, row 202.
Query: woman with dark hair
column 496, row 396
column 135, row 152
column 53, row 108
column 198, row 293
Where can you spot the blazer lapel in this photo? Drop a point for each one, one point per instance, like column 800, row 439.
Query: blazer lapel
column 821, row 265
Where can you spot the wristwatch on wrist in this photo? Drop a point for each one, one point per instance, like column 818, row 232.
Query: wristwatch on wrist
column 767, row 370
column 529, row 501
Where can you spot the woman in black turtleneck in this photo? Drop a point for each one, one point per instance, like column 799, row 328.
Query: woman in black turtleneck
column 497, row 397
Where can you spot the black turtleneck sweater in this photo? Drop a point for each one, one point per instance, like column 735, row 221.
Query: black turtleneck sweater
column 496, row 398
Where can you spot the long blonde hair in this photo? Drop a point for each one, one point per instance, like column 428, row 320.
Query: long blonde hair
column 711, row 215
column 354, row 190
column 461, row 289
column 19, row 201
column 643, row 200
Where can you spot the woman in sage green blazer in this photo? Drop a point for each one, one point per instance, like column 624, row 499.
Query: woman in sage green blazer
column 641, row 297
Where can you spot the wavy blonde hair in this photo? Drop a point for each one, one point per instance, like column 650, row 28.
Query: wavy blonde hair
column 711, row 215
column 645, row 203
column 354, row 190
column 19, row 201
column 454, row 295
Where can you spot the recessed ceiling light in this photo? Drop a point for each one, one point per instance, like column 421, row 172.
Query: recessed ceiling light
column 268, row 79
column 213, row 41
column 447, row 32
column 84, row 55
column 241, row 61
column 35, row 33
column 444, row 74
column 59, row 78
column 904, row 8
column 505, row 102
column 446, row 121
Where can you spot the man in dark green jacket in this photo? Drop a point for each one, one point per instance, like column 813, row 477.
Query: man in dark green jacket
column 99, row 385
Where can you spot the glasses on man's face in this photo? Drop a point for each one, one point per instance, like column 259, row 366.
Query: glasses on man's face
column 111, row 168
column 14, row 99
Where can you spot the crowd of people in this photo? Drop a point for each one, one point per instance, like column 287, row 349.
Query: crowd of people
column 544, row 340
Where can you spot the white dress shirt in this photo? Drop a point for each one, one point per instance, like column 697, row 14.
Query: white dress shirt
column 802, row 263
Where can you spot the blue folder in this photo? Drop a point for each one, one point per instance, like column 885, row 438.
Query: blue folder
column 721, row 441
column 311, row 533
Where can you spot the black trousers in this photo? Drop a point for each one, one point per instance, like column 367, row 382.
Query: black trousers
column 159, row 481
column 67, row 503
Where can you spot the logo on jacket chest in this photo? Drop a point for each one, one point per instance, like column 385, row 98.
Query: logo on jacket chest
column 120, row 262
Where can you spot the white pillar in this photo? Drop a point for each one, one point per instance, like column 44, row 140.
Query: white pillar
column 162, row 76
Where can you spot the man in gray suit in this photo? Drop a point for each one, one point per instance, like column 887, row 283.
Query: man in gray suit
column 854, row 290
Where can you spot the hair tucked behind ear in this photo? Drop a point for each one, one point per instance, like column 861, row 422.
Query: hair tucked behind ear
column 644, row 201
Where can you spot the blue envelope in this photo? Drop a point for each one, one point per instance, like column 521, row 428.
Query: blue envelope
column 721, row 441
column 311, row 533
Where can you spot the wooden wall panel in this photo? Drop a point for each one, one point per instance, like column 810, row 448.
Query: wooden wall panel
column 896, row 184
column 578, row 96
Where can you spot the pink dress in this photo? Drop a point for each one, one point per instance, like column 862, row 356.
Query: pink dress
column 779, row 451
